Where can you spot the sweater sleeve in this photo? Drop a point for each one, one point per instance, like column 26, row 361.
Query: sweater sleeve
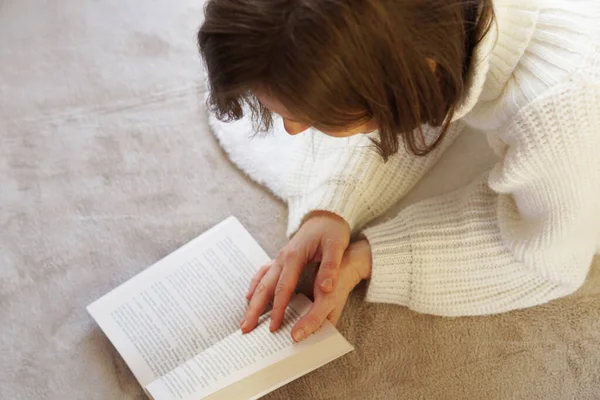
column 352, row 181
column 522, row 235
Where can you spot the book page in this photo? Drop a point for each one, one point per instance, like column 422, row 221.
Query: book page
column 215, row 371
column 183, row 304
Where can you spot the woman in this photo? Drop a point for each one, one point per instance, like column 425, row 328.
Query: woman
column 415, row 71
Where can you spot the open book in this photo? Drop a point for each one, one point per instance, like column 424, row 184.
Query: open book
column 176, row 324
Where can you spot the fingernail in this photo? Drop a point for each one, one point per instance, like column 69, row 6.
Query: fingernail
column 327, row 284
column 272, row 327
column 299, row 335
column 243, row 323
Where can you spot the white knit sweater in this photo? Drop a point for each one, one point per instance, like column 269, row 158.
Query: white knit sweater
column 524, row 233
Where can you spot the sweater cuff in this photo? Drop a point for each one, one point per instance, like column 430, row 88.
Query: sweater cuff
column 344, row 200
column 391, row 264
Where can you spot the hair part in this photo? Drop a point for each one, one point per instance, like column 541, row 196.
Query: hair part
column 333, row 62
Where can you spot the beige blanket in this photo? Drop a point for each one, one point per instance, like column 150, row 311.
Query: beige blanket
column 107, row 164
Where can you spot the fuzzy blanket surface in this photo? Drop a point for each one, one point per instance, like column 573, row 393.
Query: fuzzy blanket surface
column 107, row 164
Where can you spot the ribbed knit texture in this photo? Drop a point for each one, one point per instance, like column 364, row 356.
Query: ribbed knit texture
column 524, row 233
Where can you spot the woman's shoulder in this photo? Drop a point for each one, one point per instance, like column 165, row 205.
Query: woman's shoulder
column 564, row 43
column 549, row 45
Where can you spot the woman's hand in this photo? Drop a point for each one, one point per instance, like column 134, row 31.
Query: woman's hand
column 355, row 266
column 322, row 237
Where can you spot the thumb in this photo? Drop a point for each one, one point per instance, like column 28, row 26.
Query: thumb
column 333, row 252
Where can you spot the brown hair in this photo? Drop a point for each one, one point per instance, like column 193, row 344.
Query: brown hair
column 326, row 60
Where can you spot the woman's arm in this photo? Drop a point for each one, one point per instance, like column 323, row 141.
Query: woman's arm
column 353, row 182
column 522, row 235
column 338, row 187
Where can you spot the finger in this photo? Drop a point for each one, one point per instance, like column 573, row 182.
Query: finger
column 313, row 319
column 333, row 251
column 256, row 279
column 317, row 257
column 335, row 315
column 260, row 299
column 293, row 265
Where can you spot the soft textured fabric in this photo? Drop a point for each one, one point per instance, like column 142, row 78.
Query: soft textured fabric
column 523, row 233
column 107, row 164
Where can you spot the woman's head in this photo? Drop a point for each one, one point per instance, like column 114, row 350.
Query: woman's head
column 343, row 66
